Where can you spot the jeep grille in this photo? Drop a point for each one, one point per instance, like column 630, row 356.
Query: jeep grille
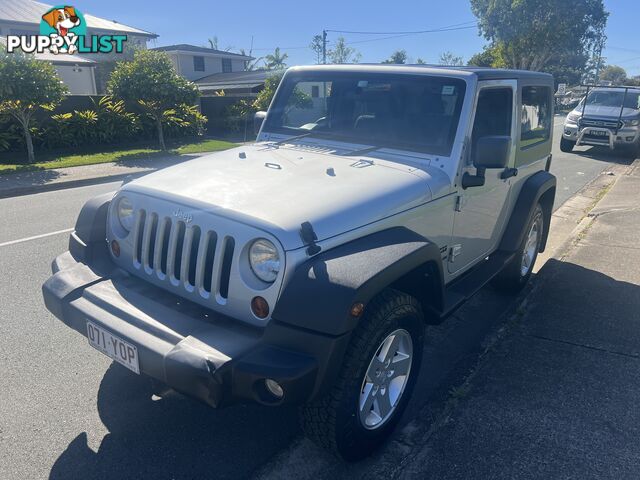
column 183, row 255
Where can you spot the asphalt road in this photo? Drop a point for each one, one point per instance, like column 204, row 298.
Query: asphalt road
column 66, row 412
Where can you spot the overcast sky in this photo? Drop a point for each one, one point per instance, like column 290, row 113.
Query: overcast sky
column 291, row 24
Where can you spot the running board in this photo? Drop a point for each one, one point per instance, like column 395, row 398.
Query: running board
column 465, row 287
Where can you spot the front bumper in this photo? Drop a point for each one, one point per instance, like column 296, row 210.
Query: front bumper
column 187, row 347
column 626, row 136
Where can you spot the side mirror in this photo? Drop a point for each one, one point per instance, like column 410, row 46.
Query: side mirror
column 492, row 151
column 258, row 118
column 489, row 152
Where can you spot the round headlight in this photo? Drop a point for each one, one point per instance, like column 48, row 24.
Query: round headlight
column 125, row 213
column 264, row 260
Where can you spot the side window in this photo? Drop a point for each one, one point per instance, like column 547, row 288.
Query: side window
column 535, row 116
column 198, row 64
column 226, row 65
column 493, row 113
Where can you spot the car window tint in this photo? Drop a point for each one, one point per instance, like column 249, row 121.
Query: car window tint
column 535, row 116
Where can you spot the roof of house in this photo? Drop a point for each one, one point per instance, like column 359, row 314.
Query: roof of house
column 30, row 12
column 184, row 47
column 62, row 58
column 233, row 80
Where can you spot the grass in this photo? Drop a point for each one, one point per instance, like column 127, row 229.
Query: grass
column 64, row 160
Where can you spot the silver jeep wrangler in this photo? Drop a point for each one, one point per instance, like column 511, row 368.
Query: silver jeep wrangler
column 303, row 268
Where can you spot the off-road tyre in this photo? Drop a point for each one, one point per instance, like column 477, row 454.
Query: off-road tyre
column 512, row 279
column 333, row 420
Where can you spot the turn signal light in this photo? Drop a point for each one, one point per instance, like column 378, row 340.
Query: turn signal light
column 357, row 309
column 260, row 307
column 115, row 248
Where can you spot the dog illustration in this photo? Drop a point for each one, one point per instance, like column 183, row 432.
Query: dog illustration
column 62, row 19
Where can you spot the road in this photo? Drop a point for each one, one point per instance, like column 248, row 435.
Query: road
column 66, row 412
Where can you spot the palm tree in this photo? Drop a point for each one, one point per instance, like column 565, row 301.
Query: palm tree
column 250, row 64
column 275, row 61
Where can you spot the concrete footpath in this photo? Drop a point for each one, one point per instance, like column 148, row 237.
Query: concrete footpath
column 558, row 396
column 25, row 183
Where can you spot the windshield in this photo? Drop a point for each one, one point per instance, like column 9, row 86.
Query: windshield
column 609, row 98
column 413, row 112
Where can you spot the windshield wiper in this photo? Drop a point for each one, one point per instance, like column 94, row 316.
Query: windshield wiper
column 361, row 151
column 291, row 139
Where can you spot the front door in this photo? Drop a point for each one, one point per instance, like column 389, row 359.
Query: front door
column 480, row 211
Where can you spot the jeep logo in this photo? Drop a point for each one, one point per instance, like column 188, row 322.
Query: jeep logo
column 185, row 217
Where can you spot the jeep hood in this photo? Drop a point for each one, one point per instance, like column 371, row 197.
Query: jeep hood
column 277, row 189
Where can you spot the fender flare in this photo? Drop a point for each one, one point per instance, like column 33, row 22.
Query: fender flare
column 321, row 291
column 89, row 238
column 538, row 188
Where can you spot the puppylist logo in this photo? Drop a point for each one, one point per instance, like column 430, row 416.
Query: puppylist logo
column 64, row 30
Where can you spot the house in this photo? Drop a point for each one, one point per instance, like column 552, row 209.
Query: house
column 78, row 72
column 193, row 62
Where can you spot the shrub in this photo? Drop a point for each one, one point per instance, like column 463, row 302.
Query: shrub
column 151, row 82
column 115, row 124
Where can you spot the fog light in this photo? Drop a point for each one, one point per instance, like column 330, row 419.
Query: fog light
column 629, row 139
column 115, row 248
column 260, row 307
column 274, row 388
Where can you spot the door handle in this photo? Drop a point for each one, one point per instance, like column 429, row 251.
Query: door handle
column 508, row 173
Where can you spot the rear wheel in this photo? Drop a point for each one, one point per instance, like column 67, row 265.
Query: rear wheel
column 517, row 272
column 566, row 145
column 378, row 374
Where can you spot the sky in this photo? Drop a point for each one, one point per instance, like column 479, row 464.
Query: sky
column 290, row 25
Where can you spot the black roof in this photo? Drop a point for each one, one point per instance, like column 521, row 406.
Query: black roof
column 193, row 48
column 485, row 73
column 482, row 73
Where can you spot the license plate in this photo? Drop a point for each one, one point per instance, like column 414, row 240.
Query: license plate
column 113, row 347
column 598, row 133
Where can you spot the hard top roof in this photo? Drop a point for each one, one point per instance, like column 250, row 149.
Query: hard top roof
column 480, row 72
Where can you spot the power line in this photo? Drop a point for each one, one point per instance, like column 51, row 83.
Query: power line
column 391, row 35
column 408, row 34
column 415, row 32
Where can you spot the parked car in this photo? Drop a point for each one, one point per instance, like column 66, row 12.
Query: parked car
column 607, row 116
column 303, row 269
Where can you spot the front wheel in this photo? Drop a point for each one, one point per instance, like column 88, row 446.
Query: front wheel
column 378, row 374
column 517, row 272
column 566, row 145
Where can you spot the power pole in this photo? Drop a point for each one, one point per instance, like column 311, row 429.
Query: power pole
column 324, row 47
column 599, row 61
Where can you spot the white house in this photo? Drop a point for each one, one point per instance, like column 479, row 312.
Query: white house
column 194, row 62
column 78, row 72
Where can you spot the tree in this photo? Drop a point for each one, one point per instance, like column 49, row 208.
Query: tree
column 448, row 58
column 529, row 34
column 614, row 74
column 399, row 57
column 342, row 53
column 213, row 44
column 420, row 61
column 317, row 46
column 151, row 82
column 276, row 60
column 491, row 56
column 26, row 85
column 250, row 64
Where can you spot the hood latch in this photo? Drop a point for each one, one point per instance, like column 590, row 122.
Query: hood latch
column 309, row 237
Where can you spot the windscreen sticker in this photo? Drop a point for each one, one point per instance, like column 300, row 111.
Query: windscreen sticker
column 448, row 89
